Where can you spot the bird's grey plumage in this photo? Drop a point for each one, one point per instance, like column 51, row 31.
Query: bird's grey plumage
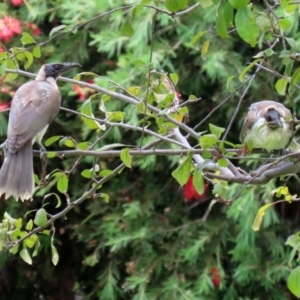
column 268, row 125
column 33, row 107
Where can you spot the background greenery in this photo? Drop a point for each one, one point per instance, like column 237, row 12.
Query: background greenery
column 147, row 242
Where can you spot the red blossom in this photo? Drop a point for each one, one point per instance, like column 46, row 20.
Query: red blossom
column 16, row 3
column 189, row 192
column 35, row 29
column 13, row 24
column 215, row 277
column 5, row 33
column 82, row 92
column 4, row 105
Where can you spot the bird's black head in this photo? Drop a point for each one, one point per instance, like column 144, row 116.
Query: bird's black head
column 273, row 118
column 54, row 70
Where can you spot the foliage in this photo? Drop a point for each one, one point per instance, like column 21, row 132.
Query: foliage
column 108, row 220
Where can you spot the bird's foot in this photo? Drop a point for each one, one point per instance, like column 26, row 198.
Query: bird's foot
column 42, row 152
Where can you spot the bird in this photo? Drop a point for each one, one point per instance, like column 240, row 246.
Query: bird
column 268, row 125
column 33, row 107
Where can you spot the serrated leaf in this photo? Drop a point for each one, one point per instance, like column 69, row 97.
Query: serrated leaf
column 56, row 29
column 259, row 216
column 293, row 282
column 281, row 85
column 29, row 225
column 126, row 157
column 198, row 181
column 246, row 26
column 26, row 256
column 40, row 218
column 216, row 130
column 183, row 171
column 55, row 256
column 237, row 4
column 127, row 29
column 52, row 140
column 205, row 48
column 197, row 37
column 175, row 5
column 27, row 39
column 62, row 183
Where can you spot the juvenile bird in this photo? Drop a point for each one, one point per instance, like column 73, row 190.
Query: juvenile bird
column 33, row 107
column 268, row 125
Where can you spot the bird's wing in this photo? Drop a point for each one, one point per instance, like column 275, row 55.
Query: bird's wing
column 34, row 105
column 249, row 121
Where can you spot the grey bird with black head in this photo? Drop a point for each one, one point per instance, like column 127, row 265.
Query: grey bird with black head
column 33, row 107
column 268, row 125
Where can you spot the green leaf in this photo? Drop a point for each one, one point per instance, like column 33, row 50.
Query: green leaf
column 296, row 76
column 174, row 77
column 87, row 173
column 204, row 49
column 237, row 4
column 294, row 282
column 51, row 154
column 197, row 37
column 228, row 14
column 52, row 140
column 29, row 59
column 127, row 29
column 36, row 52
column 56, row 29
column 205, row 3
column 292, row 42
column 26, row 256
column 198, row 181
column 134, row 90
column 83, row 145
column 40, row 217
column 259, row 216
column 117, row 116
column 67, row 141
column 284, row 24
column 55, row 256
column 289, row 9
column 57, row 198
column 208, row 141
column 174, row 5
column 62, row 183
column 281, row 85
column 14, row 250
column 31, row 240
column 216, row 130
column 105, row 173
column 246, row 26
column 222, row 162
column 268, row 52
column 27, row 39
column 29, row 225
column 126, row 157
column 221, row 23
column 183, row 171
column 248, row 68
column 86, row 109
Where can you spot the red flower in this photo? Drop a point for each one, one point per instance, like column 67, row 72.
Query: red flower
column 189, row 192
column 82, row 92
column 4, row 106
column 35, row 29
column 13, row 24
column 5, row 33
column 215, row 277
column 16, row 3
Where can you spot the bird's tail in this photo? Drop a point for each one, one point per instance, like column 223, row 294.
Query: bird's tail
column 16, row 174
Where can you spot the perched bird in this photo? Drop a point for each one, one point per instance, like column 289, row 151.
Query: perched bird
column 268, row 125
column 33, row 107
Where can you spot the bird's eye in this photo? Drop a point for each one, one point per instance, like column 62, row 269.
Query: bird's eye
column 56, row 67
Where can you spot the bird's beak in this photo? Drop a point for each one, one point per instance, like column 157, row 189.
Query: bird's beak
column 273, row 119
column 68, row 65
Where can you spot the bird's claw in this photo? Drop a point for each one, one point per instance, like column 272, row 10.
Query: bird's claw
column 42, row 152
